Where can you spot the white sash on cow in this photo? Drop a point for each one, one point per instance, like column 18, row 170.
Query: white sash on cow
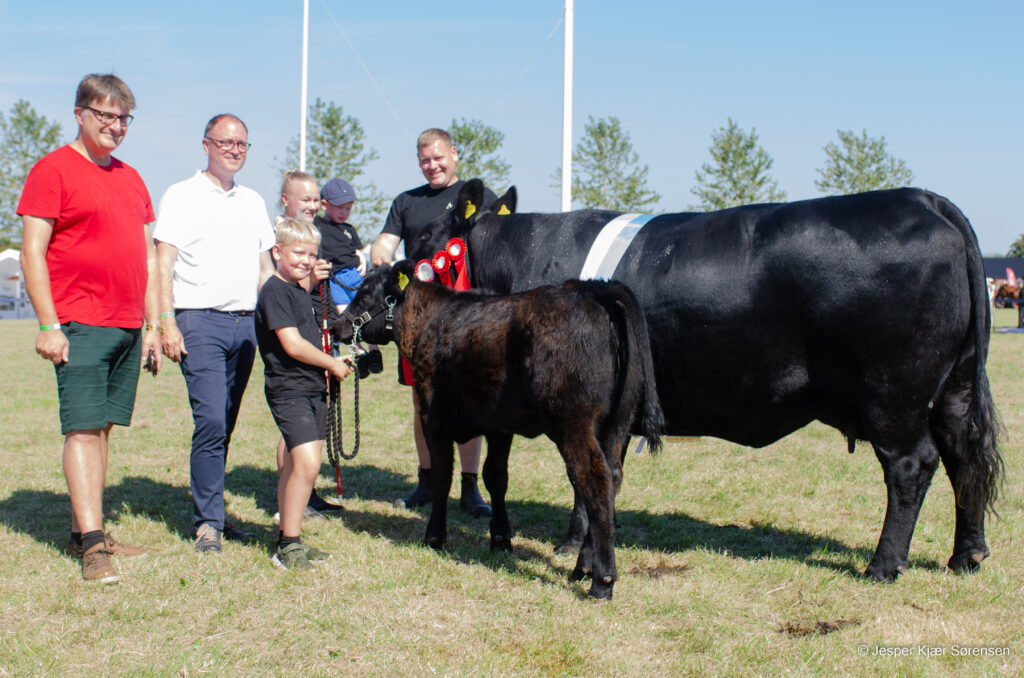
column 610, row 244
column 606, row 253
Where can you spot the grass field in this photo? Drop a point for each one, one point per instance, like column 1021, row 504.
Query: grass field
column 733, row 561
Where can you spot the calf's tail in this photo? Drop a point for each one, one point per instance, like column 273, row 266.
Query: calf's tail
column 983, row 464
column 651, row 418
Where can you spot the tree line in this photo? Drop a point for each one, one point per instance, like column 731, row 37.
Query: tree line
column 607, row 173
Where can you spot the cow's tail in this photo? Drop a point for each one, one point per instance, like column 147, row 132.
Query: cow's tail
column 651, row 419
column 983, row 465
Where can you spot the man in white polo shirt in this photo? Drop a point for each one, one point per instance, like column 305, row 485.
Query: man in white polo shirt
column 213, row 239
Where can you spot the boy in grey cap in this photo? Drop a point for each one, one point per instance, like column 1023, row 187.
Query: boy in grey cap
column 341, row 246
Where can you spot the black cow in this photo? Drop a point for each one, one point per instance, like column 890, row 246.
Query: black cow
column 572, row 362
column 867, row 312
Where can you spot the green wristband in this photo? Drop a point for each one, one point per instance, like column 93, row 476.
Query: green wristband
column 167, row 314
column 45, row 328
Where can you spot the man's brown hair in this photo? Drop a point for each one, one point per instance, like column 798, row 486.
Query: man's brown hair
column 96, row 87
column 431, row 135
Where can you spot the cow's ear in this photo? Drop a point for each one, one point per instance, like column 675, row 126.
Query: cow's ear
column 506, row 204
column 471, row 200
column 401, row 274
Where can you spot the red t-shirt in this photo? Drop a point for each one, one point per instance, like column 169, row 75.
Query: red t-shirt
column 97, row 251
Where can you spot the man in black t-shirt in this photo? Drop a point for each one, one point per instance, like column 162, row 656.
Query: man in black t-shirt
column 410, row 213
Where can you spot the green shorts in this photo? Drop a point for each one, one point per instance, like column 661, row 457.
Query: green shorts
column 96, row 386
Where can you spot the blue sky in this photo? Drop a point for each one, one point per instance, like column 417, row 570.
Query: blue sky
column 942, row 81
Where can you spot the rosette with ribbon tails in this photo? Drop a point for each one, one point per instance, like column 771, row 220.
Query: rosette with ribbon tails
column 442, row 266
column 456, row 251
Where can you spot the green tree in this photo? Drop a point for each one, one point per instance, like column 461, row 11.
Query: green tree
column 478, row 146
column 25, row 136
column 606, row 174
column 739, row 174
column 335, row 147
column 860, row 163
column 1017, row 247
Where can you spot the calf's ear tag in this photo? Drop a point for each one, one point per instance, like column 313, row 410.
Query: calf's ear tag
column 504, row 210
column 470, row 209
column 403, row 281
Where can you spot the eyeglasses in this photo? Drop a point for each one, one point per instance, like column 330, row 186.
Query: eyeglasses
column 108, row 118
column 227, row 144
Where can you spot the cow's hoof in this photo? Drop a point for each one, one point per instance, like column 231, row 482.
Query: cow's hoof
column 434, row 542
column 500, row 542
column 965, row 563
column 600, row 590
column 885, row 574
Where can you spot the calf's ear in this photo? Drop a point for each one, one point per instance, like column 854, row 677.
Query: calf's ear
column 401, row 274
column 506, row 204
column 470, row 201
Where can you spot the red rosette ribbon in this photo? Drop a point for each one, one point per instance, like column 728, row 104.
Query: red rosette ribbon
column 424, row 271
column 456, row 251
column 441, row 267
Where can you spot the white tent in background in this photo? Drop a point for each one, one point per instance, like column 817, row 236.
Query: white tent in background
column 13, row 302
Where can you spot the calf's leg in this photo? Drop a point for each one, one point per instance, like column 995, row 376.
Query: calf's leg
column 496, row 481
column 441, row 462
column 592, row 477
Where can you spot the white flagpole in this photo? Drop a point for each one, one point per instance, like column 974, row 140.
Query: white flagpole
column 567, row 112
column 305, row 74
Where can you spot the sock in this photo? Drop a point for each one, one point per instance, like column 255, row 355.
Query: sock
column 77, row 538
column 283, row 541
column 469, row 476
column 90, row 539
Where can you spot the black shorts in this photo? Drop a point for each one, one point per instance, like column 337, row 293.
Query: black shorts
column 301, row 418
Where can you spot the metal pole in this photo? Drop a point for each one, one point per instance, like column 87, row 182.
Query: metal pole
column 567, row 112
column 305, row 74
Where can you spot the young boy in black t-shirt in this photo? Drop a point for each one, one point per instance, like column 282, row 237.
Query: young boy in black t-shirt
column 296, row 388
column 340, row 245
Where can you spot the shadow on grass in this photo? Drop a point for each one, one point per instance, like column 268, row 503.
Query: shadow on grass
column 44, row 515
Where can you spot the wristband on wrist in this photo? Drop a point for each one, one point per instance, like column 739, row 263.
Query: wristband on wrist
column 167, row 314
column 45, row 328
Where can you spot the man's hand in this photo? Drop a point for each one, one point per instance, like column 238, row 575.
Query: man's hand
column 342, row 367
column 52, row 345
column 151, row 341
column 173, row 343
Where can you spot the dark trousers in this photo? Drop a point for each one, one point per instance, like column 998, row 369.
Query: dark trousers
column 221, row 348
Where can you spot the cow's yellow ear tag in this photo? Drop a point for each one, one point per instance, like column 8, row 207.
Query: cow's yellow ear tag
column 470, row 209
column 504, row 210
column 403, row 281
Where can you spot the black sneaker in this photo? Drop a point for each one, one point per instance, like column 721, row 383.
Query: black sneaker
column 471, row 501
column 322, row 506
column 421, row 496
column 233, row 533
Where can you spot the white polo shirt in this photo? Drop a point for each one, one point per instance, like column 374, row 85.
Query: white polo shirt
column 220, row 236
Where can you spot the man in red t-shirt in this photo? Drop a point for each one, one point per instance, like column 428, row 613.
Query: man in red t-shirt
column 90, row 271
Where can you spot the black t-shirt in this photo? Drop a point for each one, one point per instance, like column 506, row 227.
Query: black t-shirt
column 338, row 243
column 413, row 211
column 284, row 305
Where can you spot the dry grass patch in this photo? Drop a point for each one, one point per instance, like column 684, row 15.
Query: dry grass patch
column 734, row 561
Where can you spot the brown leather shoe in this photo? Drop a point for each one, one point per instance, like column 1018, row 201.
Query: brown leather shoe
column 96, row 565
column 114, row 547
